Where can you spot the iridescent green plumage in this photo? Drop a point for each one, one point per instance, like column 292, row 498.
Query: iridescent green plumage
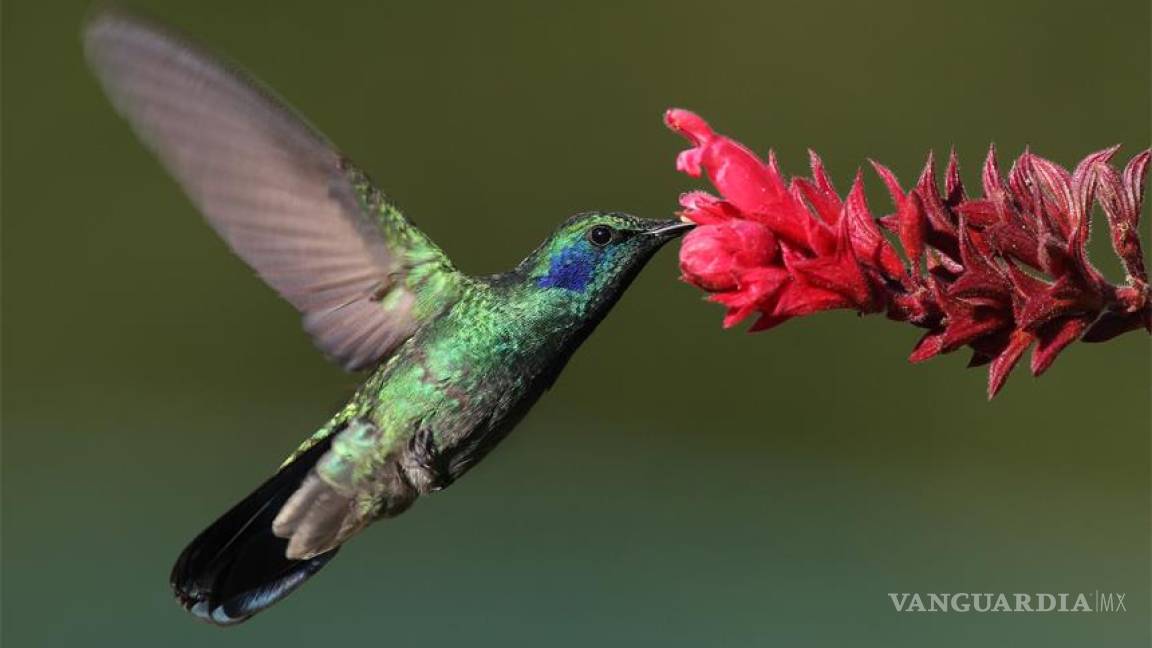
column 464, row 379
column 457, row 360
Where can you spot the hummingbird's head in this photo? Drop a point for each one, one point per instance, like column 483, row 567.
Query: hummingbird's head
column 592, row 257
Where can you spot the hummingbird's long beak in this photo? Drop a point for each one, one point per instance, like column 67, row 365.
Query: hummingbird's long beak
column 669, row 229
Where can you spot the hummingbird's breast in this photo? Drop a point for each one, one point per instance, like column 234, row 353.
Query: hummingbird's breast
column 462, row 382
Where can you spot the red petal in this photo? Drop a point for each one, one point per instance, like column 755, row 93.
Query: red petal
column 1052, row 339
column 890, row 182
column 820, row 192
column 1134, row 173
column 697, row 131
column 980, row 213
column 868, row 243
column 838, row 272
column 1053, row 187
column 819, row 175
column 714, row 257
column 800, row 298
column 981, row 277
column 990, row 176
column 740, row 176
column 1004, row 363
column 940, row 264
column 911, row 223
column 953, row 185
column 1121, row 198
column 967, row 323
column 1026, row 288
column 934, row 207
column 703, row 208
column 929, row 346
column 819, row 234
column 1062, row 298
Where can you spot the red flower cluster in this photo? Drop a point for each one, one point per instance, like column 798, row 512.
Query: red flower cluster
column 998, row 274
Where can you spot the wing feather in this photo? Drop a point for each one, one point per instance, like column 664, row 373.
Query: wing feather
column 273, row 187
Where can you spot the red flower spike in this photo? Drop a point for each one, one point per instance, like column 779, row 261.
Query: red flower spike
column 995, row 273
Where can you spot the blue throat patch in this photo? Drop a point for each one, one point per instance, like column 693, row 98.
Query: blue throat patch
column 571, row 269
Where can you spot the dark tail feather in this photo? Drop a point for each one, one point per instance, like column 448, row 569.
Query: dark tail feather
column 237, row 567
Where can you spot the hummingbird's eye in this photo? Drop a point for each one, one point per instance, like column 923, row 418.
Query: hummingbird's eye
column 601, row 235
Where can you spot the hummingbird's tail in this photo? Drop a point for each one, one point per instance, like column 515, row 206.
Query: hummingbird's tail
column 237, row 567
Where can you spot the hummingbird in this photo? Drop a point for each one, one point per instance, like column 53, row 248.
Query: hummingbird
column 454, row 361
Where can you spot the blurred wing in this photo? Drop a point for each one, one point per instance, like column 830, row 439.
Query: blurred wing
column 284, row 199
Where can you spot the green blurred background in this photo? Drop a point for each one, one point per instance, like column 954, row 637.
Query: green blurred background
column 681, row 485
